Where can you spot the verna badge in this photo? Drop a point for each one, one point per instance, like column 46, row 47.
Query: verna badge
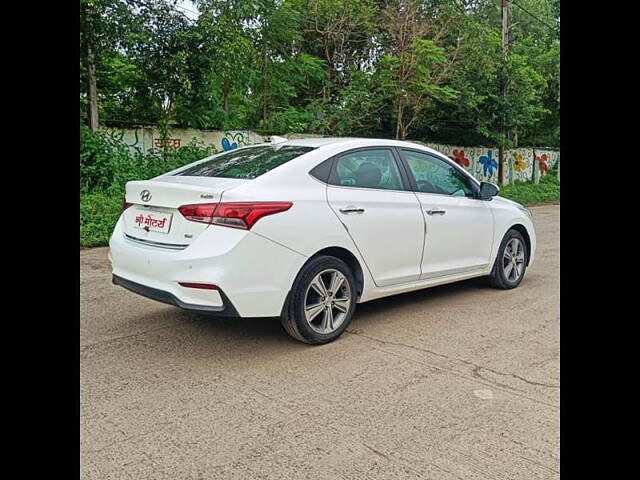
column 145, row 195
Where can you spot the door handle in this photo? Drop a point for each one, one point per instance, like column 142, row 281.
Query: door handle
column 434, row 211
column 351, row 209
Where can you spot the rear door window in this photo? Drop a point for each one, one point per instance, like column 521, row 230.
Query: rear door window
column 374, row 168
column 245, row 163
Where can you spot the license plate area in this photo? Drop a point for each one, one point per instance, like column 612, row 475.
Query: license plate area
column 152, row 220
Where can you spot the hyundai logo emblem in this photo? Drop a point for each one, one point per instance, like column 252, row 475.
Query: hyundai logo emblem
column 145, row 195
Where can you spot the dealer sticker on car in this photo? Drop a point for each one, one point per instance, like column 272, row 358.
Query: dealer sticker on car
column 152, row 221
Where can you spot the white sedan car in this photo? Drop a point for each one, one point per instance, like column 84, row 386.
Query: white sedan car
column 306, row 229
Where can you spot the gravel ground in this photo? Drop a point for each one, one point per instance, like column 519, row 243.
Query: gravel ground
column 455, row 382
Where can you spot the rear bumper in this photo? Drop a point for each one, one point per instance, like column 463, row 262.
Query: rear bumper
column 253, row 274
column 226, row 310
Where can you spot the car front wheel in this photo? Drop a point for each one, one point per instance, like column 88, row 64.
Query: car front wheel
column 511, row 262
column 322, row 301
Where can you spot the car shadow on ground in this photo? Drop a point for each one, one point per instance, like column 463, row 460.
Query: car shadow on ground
column 269, row 331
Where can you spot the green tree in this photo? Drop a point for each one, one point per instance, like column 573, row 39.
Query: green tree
column 341, row 33
column 103, row 30
column 419, row 67
column 424, row 69
column 227, row 43
column 160, row 50
column 531, row 74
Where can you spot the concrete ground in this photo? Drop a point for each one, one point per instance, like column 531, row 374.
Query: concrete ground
column 456, row 382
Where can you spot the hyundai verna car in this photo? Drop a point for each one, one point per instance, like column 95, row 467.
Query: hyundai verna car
column 306, row 229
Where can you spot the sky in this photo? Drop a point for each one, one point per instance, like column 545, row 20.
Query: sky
column 188, row 8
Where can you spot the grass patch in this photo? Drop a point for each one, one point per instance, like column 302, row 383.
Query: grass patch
column 527, row 193
column 99, row 213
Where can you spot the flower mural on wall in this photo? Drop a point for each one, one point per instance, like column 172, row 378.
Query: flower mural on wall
column 488, row 163
column 518, row 162
column 542, row 163
column 458, row 157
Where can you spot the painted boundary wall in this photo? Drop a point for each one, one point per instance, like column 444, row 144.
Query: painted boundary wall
column 522, row 164
column 144, row 139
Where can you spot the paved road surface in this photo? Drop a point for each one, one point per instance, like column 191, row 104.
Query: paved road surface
column 455, row 382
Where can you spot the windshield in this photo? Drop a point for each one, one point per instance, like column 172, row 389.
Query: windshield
column 247, row 163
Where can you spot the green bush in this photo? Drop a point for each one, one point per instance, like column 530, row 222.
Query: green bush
column 106, row 165
column 99, row 157
column 99, row 213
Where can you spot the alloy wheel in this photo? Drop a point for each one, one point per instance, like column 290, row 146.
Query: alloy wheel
column 327, row 301
column 513, row 260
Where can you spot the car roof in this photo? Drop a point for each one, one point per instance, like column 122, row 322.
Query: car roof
column 356, row 142
column 321, row 141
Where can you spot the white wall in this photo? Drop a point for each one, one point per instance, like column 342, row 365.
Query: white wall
column 146, row 138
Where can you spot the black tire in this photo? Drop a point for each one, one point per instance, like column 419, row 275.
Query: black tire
column 294, row 319
column 498, row 277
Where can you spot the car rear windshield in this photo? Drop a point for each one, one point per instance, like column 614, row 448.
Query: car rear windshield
column 247, row 163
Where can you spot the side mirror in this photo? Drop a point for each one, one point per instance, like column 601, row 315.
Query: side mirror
column 488, row 190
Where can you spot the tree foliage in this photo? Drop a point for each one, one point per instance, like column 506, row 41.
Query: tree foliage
column 429, row 70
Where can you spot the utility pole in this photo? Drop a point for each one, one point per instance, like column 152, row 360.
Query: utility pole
column 505, row 29
column 504, row 43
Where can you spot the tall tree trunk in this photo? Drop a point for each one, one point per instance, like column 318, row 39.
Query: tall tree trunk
column 399, row 120
column 513, row 136
column 92, row 92
column 264, row 84
column 501, row 164
column 327, row 71
column 504, row 41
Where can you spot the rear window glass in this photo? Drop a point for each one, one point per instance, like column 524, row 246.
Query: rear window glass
column 246, row 163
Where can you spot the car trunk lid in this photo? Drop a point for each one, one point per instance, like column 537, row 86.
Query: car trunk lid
column 153, row 217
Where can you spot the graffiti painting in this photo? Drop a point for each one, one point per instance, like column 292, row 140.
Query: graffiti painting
column 488, row 163
column 232, row 140
column 482, row 162
column 542, row 164
column 458, row 157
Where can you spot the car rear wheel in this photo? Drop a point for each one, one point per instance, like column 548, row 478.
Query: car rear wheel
column 322, row 301
column 511, row 262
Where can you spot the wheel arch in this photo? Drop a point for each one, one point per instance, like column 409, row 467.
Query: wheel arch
column 347, row 257
column 343, row 254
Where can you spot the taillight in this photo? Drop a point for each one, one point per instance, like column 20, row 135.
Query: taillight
column 236, row 215
column 125, row 204
column 202, row 213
